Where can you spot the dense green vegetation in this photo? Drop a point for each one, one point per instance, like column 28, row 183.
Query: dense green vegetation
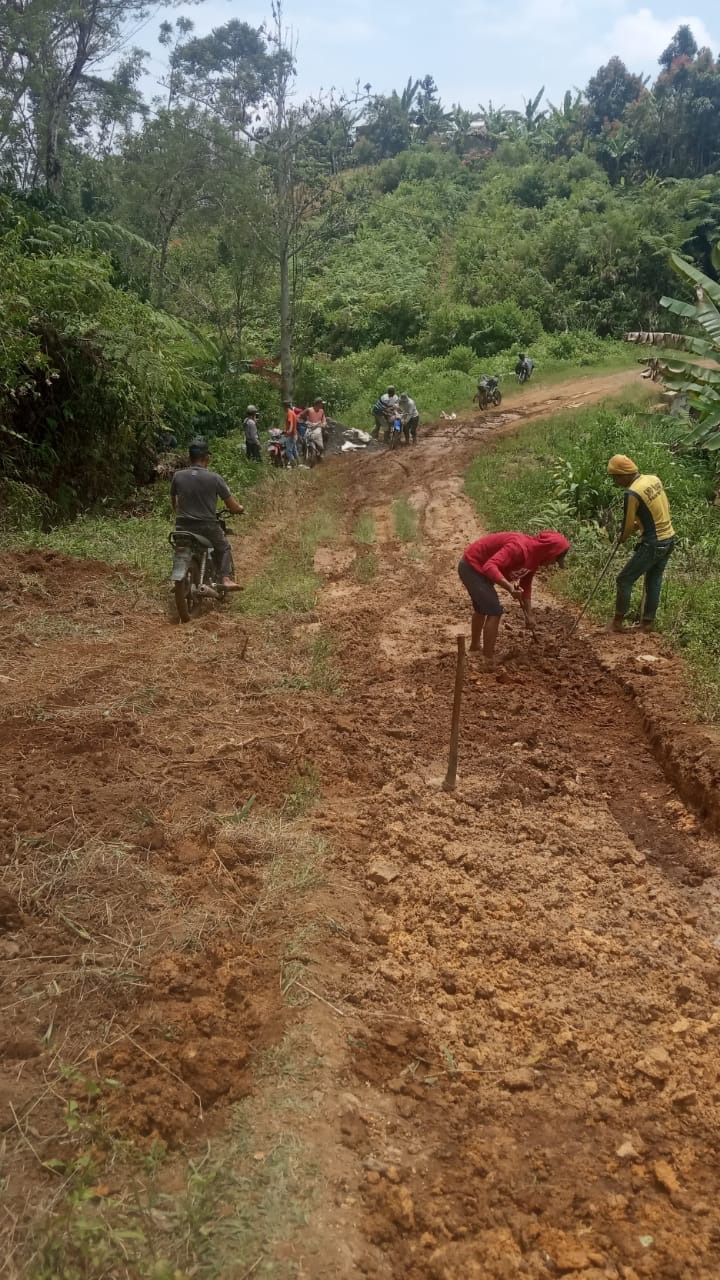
column 554, row 475
column 162, row 263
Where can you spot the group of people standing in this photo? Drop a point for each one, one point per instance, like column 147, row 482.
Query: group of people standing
column 299, row 423
column 391, row 407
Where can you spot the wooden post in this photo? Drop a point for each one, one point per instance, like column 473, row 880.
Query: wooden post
column 451, row 775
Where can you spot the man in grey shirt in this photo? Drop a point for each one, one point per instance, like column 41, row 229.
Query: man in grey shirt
column 252, row 439
column 194, row 492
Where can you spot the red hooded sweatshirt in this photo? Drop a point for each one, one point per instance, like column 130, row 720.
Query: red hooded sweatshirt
column 514, row 556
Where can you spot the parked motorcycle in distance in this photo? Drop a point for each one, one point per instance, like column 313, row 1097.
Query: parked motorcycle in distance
column 488, row 391
column 196, row 575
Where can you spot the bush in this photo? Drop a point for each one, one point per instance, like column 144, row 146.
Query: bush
column 501, row 325
column 88, row 376
column 462, row 358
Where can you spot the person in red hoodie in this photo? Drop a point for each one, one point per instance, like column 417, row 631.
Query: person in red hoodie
column 509, row 561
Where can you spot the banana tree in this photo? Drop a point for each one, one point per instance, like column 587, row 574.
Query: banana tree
column 697, row 375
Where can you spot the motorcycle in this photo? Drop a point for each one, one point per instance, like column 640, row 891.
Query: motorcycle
column 524, row 372
column 276, row 448
column 312, row 451
column 196, row 575
column 488, row 392
column 393, row 433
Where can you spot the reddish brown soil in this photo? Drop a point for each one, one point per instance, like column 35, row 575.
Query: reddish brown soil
column 518, row 1005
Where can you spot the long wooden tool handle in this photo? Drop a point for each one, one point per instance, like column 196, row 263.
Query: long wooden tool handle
column 451, row 775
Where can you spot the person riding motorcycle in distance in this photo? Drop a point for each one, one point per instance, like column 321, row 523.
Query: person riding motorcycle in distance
column 194, row 492
column 524, row 365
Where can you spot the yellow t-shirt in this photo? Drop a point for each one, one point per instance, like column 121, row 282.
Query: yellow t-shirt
column 647, row 509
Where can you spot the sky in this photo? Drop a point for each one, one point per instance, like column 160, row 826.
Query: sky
column 477, row 50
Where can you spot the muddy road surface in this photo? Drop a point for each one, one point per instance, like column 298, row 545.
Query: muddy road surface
column 484, row 1025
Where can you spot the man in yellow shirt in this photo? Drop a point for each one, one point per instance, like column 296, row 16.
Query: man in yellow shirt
column 647, row 510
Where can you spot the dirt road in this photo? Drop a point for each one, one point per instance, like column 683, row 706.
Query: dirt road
column 489, row 1020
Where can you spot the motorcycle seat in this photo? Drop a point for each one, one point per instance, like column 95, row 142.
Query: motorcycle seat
column 180, row 536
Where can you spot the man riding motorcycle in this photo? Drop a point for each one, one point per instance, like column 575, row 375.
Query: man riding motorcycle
column 194, row 492
column 524, row 367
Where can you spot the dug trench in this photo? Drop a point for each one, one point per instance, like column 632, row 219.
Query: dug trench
column 508, row 998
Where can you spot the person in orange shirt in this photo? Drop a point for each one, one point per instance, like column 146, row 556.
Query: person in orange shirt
column 291, row 434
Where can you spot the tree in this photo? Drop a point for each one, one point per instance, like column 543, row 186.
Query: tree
column 561, row 131
column 389, row 124
column 618, row 145
column 51, row 54
column 431, row 119
column 497, row 123
column 531, row 117
column 229, row 72
column 302, row 207
column 465, row 129
column 682, row 45
column 165, row 173
column 610, row 92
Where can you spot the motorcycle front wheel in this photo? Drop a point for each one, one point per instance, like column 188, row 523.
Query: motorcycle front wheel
column 187, row 600
column 497, row 399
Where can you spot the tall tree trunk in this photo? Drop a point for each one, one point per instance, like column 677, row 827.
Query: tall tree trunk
column 286, row 359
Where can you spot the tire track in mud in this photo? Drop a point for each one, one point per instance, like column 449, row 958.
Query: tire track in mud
column 510, row 1003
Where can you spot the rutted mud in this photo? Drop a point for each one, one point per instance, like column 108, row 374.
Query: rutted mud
column 539, row 1010
column 515, row 990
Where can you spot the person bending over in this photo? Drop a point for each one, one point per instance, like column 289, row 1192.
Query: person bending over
column 509, row 561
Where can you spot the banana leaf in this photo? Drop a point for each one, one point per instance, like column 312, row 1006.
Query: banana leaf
column 710, row 288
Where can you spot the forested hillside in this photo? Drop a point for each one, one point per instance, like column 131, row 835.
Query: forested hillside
column 162, row 262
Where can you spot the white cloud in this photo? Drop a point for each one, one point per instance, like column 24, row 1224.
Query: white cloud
column 639, row 38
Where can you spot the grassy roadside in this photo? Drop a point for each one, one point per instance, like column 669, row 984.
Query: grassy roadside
column 553, row 475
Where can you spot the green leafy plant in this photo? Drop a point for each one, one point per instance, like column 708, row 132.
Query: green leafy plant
column 698, row 377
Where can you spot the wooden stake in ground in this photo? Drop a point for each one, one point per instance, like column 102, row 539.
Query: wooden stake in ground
column 451, row 775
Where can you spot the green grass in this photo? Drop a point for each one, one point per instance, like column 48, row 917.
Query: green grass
column 553, row 475
column 405, row 521
column 322, row 674
column 365, row 567
column 303, row 791
column 288, row 583
column 364, row 531
column 235, row 1205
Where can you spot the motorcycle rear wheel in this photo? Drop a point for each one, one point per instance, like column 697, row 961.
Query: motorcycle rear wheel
column 187, row 602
